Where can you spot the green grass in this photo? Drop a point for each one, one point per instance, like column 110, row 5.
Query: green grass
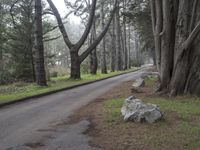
column 151, row 80
column 181, row 120
column 113, row 109
column 180, row 128
column 182, row 105
column 17, row 91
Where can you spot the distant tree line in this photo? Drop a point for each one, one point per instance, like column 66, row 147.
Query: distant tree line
column 31, row 41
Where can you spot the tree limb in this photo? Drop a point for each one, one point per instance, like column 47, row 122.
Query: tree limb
column 191, row 37
column 60, row 24
column 194, row 8
column 99, row 38
column 52, row 29
column 88, row 27
column 51, row 39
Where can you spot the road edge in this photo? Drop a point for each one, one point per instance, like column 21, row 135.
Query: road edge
column 59, row 90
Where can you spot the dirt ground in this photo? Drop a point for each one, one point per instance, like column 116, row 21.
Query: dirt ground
column 118, row 135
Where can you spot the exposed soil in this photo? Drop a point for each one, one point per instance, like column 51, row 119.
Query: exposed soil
column 118, row 135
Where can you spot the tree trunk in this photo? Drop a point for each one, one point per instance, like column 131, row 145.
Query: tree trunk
column 1, row 60
column 1, row 41
column 93, row 55
column 129, row 46
column 113, row 52
column 103, row 44
column 179, row 40
column 118, row 40
column 39, row 48
column 168, row 42
column 193, row 82
column 182, row 56
column 156, row 11
column 125, row 39
column 75, row 65
column 93, row 62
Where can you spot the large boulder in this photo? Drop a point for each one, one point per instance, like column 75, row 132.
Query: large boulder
column 137, row 111
column 138, row 83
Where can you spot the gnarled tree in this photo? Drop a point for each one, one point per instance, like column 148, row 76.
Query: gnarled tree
column 76, row 58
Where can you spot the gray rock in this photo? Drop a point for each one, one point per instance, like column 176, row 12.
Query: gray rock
column 137, row 111
column 139, row 83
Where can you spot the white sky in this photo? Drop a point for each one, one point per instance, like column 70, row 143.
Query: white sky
column 63, row 10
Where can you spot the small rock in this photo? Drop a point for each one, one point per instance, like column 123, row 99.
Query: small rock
column 139, row 83
column 137, row 111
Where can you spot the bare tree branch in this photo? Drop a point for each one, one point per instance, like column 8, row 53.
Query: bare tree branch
column 88, row 27
column 46, row 39
column 99, row 38
column 60, row 24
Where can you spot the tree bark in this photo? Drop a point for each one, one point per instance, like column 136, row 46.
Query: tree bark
column 113, row 52
column 103, row 44
column 180, row 57
column 75, row 65
column 167, row 44
column 1, row 59
column 129, row 46
column 1, row 39
column 93, row 55
column 39, row 48
column 183, row 70
column 118, row 40
column 156, row 11
column 125, row 39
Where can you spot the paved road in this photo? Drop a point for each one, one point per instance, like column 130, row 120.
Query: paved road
column 38, row 123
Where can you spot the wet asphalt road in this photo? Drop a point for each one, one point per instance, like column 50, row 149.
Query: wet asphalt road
column 38, row 123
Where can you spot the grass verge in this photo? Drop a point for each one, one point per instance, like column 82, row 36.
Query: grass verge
column 180, row 129
column 21, row 90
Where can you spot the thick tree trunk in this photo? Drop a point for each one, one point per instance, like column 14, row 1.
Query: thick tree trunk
column 75, row 65
column 168, row 42
column 93, row 62
column 182, row 61
column 103, row 44
column 39, row 48
column 193, row 82
column 93, row 55
column 156, row 11
column 179, row 40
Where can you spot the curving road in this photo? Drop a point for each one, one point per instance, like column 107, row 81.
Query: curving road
column 38, row 123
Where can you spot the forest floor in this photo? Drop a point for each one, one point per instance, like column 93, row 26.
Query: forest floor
column 179, row 130
column 19, row 90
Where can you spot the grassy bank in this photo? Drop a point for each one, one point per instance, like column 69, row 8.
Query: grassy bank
column 179, row 130
column 20, row 90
